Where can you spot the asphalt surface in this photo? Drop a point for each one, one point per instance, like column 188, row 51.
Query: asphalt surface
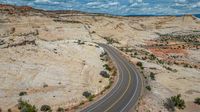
column 127, row 90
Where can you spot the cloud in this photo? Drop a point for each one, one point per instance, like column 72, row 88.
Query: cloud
column 196, row 5
column 117, row 7
column 41, row 1
column 181, row 1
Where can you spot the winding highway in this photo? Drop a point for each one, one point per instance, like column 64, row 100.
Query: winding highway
column 126, row 91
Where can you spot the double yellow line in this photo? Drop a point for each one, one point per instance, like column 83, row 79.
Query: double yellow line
column 129, row 81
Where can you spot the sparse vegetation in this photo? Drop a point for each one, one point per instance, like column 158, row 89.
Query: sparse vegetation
column 169, row 105
column 24, row 106
column 104, row 74
column 60, row 109
column 139, row 64
column 148, row 88
column 45, row 108
column 197, row 101
column 80, row 42
column 107, row 67
column 22, row 93
column 110, row 40
column 104, row 56
column 9, row 110
column 45, row 85
column 152, row 75
column 152, row 57
column 82, row 103
column 174, row 101
column 88, row 95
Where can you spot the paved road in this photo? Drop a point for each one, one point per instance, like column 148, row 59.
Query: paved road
column 125, row 92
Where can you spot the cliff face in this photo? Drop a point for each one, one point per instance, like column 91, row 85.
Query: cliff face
column 39, row 48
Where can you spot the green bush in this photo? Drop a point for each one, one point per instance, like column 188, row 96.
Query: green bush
column 152, row 75
column 148, row 88
column 88, row 95
column 177, row 101
column 22, row 93
column 152, row 57
column 24, row 106
column 90, row 98
column 104, row 74
column 45, row 108
column 139, row 64
column 107, row 67
column 197, row 101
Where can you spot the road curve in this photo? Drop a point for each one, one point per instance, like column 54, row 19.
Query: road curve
column 127, row 90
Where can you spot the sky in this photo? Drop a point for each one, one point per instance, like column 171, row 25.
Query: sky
column 116, row 7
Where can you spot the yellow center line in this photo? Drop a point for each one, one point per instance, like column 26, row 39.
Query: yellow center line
column 124, row 91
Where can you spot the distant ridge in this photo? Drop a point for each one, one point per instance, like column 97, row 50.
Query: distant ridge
column 197, row 15
column 14, row 8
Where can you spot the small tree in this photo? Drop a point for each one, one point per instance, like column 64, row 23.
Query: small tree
column 197, row 101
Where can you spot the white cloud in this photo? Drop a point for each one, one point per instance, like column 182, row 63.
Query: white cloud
column 180, row 1
column 139, row 0
column 196, row 5
column 41, row 1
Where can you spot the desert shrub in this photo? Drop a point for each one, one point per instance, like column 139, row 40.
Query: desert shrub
column 22, row 93
column 107, row 67
column 103, row 54
column 197, row 101
column 82, row 103
column 45, row 85
column 135, row 53
column 60, row 109
column 45, row 108
column 152, row 57
column 24, row 106
column 104, row 74
column 90, row 98
column 86, row 94
column 9, row 110
column 152, row 75
column 169, row 105
column 110, row 40
column 177, row 101
column 139, row 64
column 148, row 88
column 80, row 42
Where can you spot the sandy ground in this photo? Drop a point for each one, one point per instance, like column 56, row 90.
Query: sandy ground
column 69, row 69
column 53, row 73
